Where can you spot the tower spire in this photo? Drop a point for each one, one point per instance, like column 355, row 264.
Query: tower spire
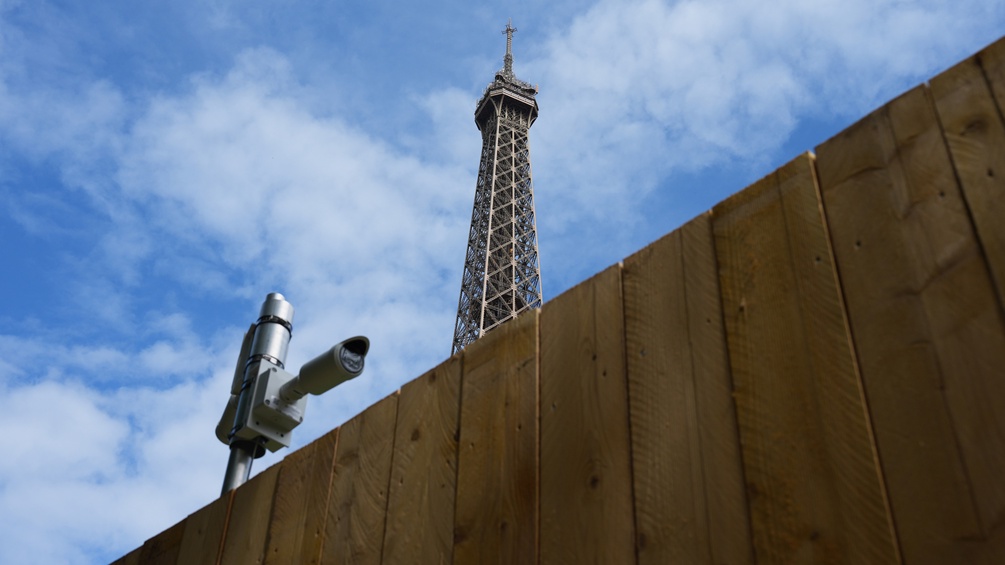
column 508, row 59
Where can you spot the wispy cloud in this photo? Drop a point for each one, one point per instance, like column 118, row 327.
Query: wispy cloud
column 636, row 91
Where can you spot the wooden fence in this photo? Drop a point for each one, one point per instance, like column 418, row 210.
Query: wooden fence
column 811, row 372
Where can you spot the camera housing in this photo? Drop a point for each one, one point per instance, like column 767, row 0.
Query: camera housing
column 277, row 398
column 339, row 364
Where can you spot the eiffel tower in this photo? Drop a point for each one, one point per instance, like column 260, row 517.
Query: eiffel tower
column 502, row 276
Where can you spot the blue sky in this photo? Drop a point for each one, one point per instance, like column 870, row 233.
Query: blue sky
column 165, row 165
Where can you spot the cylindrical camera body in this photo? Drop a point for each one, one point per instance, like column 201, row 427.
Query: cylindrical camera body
column 271, row 340
column 328, row 370
column 273, row 331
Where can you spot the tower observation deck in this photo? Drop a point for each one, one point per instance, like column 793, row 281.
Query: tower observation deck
column 502, row 275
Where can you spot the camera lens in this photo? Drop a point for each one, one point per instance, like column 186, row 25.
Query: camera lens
column 351, row 356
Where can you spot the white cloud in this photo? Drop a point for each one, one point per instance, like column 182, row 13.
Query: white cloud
column 61, row 464
column 89, row 469
column 42, row 451
column 243, row 161
column 83, row 125
column 658, row 86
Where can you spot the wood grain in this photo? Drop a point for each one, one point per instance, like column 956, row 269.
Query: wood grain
column 690, row 503
column 420, row 510
column 926, row 327
column 814, row 484
column 671, row 514
column 358, row 503
column 992, row 62
column 586, row 484
column 205, row 530
column 722, row 466
column 249, row 519
column 975, row 133
column 496, row 517
column 297, row 526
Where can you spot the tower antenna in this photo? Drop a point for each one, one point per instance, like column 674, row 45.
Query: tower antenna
column 508, row 59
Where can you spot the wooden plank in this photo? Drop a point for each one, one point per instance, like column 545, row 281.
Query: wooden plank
column 205, row 529
column 420, row 510
column 354, row 533
column 496, row 516
column 163, row 548
column 927, row 328
column 972, row 345
column 815, row 488
column 690, row 502
column 586, row 483
column 249, row 519
column 992, row 62
column 297, row 526
column 670, row 511
column 976, row 136
column 722, row 466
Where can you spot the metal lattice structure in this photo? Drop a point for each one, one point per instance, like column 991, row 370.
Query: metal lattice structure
column 502, row 275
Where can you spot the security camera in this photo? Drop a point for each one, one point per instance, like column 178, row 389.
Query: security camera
column 275, row 402
column 266, row 403
column 328, row 370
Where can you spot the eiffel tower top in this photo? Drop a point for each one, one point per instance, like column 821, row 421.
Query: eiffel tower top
column 505, row 75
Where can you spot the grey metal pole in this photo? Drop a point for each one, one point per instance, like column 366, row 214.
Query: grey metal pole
column 270, row 342
column 238, row 467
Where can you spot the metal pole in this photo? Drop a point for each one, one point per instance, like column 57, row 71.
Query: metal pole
column 271, row 340
column 238, row 466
